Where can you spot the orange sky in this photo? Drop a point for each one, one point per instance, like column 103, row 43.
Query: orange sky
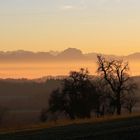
column 102, row 26
column 105, row 26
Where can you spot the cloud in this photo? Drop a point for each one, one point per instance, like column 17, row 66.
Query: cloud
column 84, row 4
column 74, row 5
column 67, row 7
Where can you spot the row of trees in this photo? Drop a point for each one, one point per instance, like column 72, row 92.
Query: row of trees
column 81, row 94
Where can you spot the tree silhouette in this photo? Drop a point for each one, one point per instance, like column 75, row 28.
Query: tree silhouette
column 115, row 73
column 77, row 98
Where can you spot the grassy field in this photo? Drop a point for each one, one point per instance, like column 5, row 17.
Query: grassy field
column 108, row 128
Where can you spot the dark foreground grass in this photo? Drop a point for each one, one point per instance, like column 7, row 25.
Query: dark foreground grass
column 118, row 129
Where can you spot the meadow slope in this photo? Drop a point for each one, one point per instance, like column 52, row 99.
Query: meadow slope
column 123, row 128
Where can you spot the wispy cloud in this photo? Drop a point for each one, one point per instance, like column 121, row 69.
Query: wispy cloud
column 74, row 6
column 67, row 7
column 84, row 4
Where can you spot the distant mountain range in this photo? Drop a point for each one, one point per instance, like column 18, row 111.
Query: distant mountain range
column 70, row 54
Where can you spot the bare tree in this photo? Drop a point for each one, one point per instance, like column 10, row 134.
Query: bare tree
column 115, row 73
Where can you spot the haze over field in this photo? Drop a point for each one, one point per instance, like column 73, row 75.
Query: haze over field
column 26, row 64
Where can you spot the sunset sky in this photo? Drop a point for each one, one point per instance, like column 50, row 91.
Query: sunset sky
column 106, row 26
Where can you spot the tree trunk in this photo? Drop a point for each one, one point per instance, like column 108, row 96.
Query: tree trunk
column 118, row 104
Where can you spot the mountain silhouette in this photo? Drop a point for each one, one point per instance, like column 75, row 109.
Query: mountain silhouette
column 68, row 54
column 71, row 53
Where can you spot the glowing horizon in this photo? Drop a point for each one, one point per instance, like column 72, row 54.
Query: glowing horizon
column 33, row 71
column 105, row 26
